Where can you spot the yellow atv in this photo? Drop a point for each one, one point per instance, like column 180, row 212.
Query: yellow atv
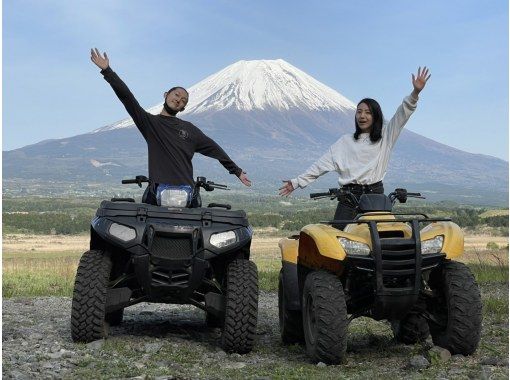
column 382, row 265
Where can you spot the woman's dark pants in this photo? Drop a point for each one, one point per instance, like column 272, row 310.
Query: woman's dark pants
column 347, row 208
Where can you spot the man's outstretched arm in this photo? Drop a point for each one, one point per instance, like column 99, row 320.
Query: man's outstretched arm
column 208, row 147
column 122, row 91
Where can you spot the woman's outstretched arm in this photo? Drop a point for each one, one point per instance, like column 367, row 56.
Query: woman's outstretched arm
column 406, row 109
column 322, row 166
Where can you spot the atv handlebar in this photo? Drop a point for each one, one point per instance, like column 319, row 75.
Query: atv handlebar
column 333, row 193
column 399, row 194
column 209, row 185
column 201, row 182
column 402, row 195
column 139, row 179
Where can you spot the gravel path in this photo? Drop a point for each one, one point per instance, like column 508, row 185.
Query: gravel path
column 37, row 340
column 158, row 341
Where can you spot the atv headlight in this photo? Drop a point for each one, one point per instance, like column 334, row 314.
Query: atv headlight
column 174, row 197
column 354, row 247
column 122, row 232
column 223, row 239
column 434, row 245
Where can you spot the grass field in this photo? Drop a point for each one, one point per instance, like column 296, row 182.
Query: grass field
column 38, row 265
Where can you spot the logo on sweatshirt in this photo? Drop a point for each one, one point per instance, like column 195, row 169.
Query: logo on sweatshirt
column 183, row 134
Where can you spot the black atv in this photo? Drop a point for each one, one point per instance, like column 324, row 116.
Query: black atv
column 167, row 254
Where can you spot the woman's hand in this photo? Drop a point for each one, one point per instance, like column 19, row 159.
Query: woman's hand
column 420, row 80
column 244, row 179
column 101, row 62
column 286, row 189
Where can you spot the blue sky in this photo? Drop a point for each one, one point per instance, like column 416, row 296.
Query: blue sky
column 361, row 49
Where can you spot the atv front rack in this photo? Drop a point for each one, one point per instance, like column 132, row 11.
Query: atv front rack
column 425, row 219
column 396, row 263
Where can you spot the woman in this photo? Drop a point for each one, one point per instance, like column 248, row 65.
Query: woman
column 361, row 159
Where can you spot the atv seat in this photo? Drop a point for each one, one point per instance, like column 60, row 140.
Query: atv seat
column 374, row 202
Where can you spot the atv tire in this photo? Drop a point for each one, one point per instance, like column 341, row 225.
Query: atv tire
column 291, row 321
column 413, row 328
column 457, row 311
column 88, row 322
column 241, row 307
column 115, row 317
column 325, row 319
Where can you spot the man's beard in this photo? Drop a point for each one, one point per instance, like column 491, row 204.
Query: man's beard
column 169, row 110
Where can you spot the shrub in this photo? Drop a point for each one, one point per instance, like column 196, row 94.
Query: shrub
column 492, row 245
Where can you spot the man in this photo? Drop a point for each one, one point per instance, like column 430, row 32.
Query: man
column 171, row 141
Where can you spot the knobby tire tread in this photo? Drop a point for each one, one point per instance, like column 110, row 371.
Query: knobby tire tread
column 89, row 297
column 331, row 317
column 464, row 306
column 241, row 307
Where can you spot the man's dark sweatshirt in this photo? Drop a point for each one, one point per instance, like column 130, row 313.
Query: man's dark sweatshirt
column 171, row 141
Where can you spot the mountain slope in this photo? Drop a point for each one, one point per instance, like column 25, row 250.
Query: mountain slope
column 274, row 120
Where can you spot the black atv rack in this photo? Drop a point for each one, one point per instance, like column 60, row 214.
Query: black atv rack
column 397, row 264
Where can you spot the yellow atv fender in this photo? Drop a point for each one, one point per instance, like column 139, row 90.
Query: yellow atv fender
column 453, row 243
column 316, row 247
column 289, row 249
column 319, row 247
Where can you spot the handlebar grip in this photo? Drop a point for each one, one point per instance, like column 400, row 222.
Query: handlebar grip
column 414, row 194
column 217, row 185
column 315, row 195
column 125, row 181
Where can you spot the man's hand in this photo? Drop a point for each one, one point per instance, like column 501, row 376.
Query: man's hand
column 244, row 179
column 420, row 80
column 101, row 62
column 286, row 189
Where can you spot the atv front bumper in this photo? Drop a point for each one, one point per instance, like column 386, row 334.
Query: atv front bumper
column 396, row 266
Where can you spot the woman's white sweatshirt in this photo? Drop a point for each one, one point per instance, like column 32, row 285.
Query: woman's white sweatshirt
column 360, row 161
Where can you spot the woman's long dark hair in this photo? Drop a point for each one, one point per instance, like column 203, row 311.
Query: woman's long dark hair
column 377, row 120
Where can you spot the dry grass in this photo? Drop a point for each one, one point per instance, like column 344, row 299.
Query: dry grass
column 479, row 242
column 489, row 213
column 476, row 250
column 46, row 265
column 18, row 243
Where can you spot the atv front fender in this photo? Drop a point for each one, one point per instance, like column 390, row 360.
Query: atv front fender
column 325, row 239
column 289, row 249
column 319, row 248
column 453, row 244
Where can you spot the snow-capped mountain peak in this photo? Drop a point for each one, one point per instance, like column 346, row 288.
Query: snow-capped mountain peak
column 263, row 84
column 257, row 85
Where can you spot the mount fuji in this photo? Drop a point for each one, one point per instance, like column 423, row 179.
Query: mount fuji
column 287, row 106
column 274, row 120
